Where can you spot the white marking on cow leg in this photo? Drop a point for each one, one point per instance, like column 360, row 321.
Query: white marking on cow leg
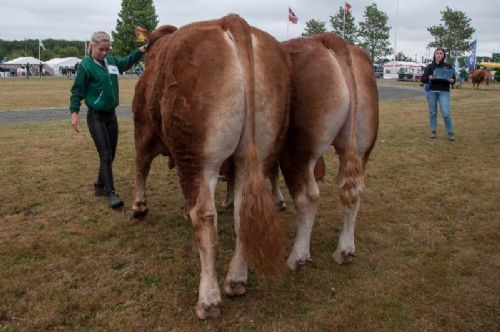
column 237, row 274
column 204, row 219
column 345, row 249
column 306, row 204
column 275, row 187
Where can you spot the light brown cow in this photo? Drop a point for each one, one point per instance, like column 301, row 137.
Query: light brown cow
column 479, row 76
column 211, row 91
column 334, row 100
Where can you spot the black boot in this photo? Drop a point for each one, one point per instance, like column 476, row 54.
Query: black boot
column 114, row 201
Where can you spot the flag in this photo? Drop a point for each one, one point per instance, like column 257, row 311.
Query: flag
column 40, row 44
column 292, row 17
column 347, row 8
column 471, row 63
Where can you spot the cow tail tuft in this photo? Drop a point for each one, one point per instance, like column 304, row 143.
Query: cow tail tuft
column 261, row 229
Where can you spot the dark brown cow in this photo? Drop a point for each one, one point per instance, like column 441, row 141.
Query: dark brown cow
column 479, row 76
column 211, row 91
column 334, row 99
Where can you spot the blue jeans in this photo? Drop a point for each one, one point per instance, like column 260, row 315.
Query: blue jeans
column 443, row 98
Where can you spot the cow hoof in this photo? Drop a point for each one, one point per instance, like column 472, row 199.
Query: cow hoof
column 139, row 209
column 297, row 264
column 235, row 288
column 140, row 214
column 281, row 205
column 205, row 311
column 343, row 256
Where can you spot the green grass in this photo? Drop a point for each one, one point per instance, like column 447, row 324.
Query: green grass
column 427, row 237
column 19, row 93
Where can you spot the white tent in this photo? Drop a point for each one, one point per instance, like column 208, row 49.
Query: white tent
column 22, row 61
column 392, row 68
column 18, row 66
column 55, row 66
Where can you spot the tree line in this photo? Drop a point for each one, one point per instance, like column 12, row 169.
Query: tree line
column 372, row 33
column 53, row 48
column 133, row 12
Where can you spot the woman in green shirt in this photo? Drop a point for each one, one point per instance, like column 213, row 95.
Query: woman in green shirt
column 96, row 82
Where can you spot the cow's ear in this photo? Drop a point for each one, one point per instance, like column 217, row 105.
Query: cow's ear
column 165, row 30
column 141, row 34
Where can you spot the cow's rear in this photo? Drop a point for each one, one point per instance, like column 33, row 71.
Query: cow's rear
column 335, row 102
column 207, row 84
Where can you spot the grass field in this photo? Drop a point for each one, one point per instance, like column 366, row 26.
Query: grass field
column 428, row 236
column 18, row 93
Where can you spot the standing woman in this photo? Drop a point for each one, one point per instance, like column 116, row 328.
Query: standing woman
column 438, row 91
column 96, row 81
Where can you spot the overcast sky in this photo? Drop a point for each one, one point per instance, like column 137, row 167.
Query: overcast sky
column 71, row 19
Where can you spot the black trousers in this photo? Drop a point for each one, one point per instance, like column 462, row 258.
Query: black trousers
column 103, row 128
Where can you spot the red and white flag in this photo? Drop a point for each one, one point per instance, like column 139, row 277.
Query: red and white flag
column 347, row 7
column 292, row 17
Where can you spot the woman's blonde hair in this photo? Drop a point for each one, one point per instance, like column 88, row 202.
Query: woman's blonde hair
column 98, row 37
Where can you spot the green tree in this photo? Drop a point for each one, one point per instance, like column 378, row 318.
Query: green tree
column 495, row 57
column 133, row 12
column 337, row 23
column 400, row 56
column 374, row 33
column 454, row 35
column 314, row 27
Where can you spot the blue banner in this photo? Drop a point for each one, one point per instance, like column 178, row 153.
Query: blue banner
column 471, row 63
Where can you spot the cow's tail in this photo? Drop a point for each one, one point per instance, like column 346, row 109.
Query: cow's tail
column 260, row 226
column 350, row 178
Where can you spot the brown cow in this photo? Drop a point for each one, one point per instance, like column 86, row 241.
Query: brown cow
column 479, row 76
column 334, row 99
column 211, row 91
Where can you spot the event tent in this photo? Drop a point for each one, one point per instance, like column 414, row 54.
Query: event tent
column 22, row 61
column 55, row 66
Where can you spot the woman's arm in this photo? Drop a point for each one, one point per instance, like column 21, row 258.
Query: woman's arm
column 79, row 89
column 125, row 63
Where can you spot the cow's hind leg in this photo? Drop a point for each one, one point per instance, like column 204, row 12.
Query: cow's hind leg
column 204, row 221
column 237, row 274
column 351, row 183
column 302, row 185
column 145, row 153
column 346, row 249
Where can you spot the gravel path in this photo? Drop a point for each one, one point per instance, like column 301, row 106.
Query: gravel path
column 385, row 92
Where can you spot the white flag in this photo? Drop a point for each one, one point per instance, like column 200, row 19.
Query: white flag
column 40, row 44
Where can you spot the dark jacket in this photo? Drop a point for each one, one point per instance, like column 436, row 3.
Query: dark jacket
column 97, row 85
column 437, row 85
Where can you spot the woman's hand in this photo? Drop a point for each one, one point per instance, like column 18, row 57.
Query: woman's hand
column 431, row 77
column 451, row 80
column 75, row 121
